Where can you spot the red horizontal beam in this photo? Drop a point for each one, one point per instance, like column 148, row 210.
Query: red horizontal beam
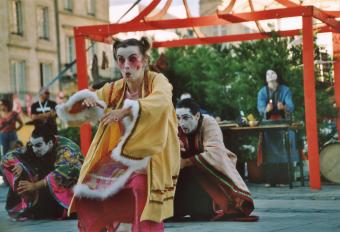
column 100, row 38
column 335, row 14
column 231, row 38
column 326, row 18
column 269, row 14
column 208, row 40
column 221, row 39
column 212, row 20
column 323, row 29
column 112, row 29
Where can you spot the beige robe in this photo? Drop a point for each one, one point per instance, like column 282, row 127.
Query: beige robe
column 216, row 154
column 221, row 179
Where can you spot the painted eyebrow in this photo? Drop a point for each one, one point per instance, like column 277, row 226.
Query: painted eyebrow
column 186, row 115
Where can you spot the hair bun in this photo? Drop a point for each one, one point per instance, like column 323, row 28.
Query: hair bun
column 146, row 43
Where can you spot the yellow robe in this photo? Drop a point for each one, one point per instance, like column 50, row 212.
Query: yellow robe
column 153, row 133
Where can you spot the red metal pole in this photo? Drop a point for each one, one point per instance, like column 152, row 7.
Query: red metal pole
column 310, row 103
column 336, row 55
column 85, row 130
column 221, row 39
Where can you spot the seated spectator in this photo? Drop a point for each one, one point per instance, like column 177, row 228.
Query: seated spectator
column 41, row 176
column 209, row 186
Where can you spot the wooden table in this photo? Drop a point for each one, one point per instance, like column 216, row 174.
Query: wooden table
column 261, row 128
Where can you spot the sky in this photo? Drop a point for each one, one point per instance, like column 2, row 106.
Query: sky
column 119, row 7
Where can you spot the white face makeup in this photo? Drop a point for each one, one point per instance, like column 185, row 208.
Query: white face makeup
column 273, row 85
column 130, row 62
column 186, row 120
column 40, row 147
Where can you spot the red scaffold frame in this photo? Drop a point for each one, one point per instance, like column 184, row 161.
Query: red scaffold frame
column 143, row 22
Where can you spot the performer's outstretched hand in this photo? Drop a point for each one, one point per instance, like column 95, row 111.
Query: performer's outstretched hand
column 90, row 102
column 115, row 116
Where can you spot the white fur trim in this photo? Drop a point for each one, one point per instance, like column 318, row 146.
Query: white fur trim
column 129, row 124
column 87, row 115
column 82, row 190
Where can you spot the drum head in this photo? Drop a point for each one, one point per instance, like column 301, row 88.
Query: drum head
column 330, row 162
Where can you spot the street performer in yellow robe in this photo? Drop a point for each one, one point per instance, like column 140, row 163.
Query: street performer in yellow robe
column 129, row 174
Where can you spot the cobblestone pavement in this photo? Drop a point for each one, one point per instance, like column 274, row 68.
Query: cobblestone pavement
column 280, row 209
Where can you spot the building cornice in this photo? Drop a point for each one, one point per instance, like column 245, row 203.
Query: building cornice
column 46, row 50
column 12, row 45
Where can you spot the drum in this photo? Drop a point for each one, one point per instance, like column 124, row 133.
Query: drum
column 330, row 162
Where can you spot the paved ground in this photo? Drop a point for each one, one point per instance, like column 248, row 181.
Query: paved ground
column 280, row 209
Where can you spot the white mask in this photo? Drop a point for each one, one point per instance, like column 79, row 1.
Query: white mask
column 186, row 120
column 40, row 147
column 271, row 75
column 130, row 62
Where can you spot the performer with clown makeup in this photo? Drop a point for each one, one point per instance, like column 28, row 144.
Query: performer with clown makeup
column 128, row 179
column 41, row 175
column 209, row 186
